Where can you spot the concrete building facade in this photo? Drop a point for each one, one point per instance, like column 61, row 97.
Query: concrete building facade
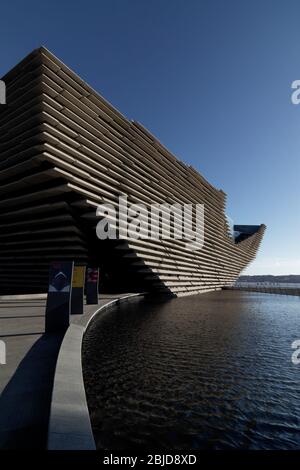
column 63, row 151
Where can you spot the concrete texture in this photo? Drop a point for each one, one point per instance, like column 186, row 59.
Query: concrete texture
column 21, row 326
column 26, row 381
column 69, row 424
column 80, row 152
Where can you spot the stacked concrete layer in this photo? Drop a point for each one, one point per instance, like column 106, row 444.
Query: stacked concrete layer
column 65, row 150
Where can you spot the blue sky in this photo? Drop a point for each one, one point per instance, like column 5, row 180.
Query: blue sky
column 210, row 78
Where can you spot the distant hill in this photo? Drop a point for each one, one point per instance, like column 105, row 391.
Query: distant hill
column 268, row 278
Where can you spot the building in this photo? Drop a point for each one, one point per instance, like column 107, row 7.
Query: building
column 63, row 151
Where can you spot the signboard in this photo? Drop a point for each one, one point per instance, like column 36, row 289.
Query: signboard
column 92, row 280
column 78, row 276
column 59, row 294
column 77, row 289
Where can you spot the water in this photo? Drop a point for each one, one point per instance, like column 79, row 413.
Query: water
column 212, row 371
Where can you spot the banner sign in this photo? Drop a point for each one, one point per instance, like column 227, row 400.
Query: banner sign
column 77, row 289
column 59, row 295
column 91, row 285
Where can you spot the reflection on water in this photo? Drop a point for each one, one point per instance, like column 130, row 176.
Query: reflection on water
column 211, row 371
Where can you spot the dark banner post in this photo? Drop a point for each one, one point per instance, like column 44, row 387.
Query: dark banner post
column 77, row 289
column 91, row 285
column 59, row 295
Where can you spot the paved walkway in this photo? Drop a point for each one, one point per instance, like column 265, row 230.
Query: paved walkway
column 27, row 378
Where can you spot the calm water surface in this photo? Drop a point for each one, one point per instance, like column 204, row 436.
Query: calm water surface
column 212, row 371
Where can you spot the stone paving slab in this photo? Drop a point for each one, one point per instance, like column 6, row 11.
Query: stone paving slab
column 26, row 380
column 22, row 324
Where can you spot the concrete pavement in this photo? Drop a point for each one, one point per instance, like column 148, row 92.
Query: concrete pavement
column 26, row 381
column 22, row 324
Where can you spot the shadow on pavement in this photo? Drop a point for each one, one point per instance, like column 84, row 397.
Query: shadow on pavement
column 25, row 401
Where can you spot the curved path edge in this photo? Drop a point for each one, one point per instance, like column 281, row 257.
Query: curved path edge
column 69, row 424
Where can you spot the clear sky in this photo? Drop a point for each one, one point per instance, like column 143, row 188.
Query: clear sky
column 210, row 78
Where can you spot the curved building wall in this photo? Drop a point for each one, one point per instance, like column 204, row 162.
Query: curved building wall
column 63, row 151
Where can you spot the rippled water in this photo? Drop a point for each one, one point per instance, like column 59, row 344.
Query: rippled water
column 212, row 371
